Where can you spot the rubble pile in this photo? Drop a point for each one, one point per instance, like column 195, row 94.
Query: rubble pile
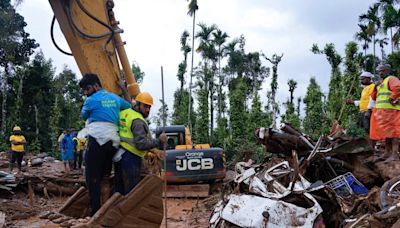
column 41, row 185
column 336, row 181
column 42, row 173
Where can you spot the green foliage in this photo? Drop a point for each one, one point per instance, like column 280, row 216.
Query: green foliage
column 66, row 85
column 394, row 61
column 353, row 129
column 334, row 96
column 137, row 72
column 238, row 117
column 35, row 146
column 314, row 122
column 202, row 121
column 43, row 104
column 162, row 115
column 15, row 44
column 15, row 49
column 290, row 116
column 54, row 125
column 185, row 48
column 221, row 133
column 257, row 117
column 350, row 84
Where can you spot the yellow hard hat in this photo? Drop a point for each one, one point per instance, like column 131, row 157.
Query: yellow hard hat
column 16, row 128
column 145, row 98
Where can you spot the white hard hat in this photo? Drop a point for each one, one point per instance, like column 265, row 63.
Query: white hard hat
column 366, row 74
column 381, row 67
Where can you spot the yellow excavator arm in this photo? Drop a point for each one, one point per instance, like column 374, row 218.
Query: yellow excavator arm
column 93, row 36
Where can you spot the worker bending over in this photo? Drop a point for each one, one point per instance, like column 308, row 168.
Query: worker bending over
column 387, row 110
column 136, row 140
column 101, row 109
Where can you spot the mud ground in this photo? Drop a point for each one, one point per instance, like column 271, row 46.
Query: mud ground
column 19, row 213
column 21, row 210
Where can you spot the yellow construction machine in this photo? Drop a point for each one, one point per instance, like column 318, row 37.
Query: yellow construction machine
column 93, row 36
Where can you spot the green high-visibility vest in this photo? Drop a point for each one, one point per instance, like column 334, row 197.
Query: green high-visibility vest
column 383, row 95
column 126, row 117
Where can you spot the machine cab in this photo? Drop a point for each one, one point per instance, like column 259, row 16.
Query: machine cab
column 178, row 136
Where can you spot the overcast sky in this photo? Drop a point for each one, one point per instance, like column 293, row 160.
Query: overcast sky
column 153, row 28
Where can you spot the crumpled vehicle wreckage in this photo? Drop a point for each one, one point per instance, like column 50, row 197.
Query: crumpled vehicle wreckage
column 333, row 182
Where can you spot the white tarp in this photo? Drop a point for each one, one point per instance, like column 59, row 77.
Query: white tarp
column 255, row 211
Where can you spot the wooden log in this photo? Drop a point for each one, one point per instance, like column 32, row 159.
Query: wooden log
column 54, row 188
column 281, row 142
column 31, row 194
column 55, row 179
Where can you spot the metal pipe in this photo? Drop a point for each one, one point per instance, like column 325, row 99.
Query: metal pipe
column 133, row 87
column 164, row 148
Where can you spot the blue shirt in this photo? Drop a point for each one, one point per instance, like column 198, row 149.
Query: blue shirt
column 103, row 106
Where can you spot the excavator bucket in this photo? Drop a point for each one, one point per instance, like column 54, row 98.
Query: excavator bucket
column 142, row 207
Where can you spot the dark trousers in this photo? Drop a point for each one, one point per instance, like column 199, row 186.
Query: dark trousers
column 78, row 159
column 127, row 172
column 98, row 160
column 17, row 156
column 364, row 121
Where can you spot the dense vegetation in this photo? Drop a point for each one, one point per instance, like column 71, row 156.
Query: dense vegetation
column 219, row 98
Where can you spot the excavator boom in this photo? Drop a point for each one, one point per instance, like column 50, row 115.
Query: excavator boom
column 93, row 36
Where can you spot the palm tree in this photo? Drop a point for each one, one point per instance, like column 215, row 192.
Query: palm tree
column 389, row 17
column 373, row 23
column 193, row 7
column 209, row 54
column 363, row 36
column 382, row 43
column 219, row 40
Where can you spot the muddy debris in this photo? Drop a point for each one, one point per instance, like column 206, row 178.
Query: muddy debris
column 337, row 181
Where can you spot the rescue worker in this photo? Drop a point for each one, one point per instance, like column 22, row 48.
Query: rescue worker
column 101, row 109
column 364, row 115
column 387, row 113
column 80, row 147
column 60, row 138
column 136, row 140
column 17, row 148
column 67, row 150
